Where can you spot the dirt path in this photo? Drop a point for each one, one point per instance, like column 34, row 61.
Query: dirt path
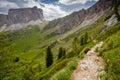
column 90, row 66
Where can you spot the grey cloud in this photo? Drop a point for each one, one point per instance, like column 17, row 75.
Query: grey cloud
column 51, row 11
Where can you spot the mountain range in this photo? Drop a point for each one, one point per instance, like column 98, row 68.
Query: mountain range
column 27, row 16
column 80, row 18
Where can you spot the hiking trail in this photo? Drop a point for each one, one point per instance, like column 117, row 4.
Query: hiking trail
column 90, row 66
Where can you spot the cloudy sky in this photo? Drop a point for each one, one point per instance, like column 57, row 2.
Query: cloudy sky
column 52, row 8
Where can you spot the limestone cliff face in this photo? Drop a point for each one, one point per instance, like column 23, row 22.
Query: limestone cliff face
column 81, row 18
column 24, row 15
column 21, row 15
column 3, row 19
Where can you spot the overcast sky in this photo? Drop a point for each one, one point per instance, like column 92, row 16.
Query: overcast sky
column 52, row 8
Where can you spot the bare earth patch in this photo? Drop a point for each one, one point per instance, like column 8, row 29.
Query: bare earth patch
column 90, row 66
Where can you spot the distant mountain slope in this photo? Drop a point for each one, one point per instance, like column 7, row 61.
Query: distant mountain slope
column 21, row 16
column 81, row 18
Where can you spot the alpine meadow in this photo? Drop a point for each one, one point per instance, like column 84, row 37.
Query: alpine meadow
column 39, row 42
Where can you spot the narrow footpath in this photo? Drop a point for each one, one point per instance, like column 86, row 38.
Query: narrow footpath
column 90, row 66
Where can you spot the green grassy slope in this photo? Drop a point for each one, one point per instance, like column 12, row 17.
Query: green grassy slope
column 29, row 45
column 111, row 53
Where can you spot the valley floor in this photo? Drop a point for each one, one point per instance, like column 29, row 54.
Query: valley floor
column 90, row 67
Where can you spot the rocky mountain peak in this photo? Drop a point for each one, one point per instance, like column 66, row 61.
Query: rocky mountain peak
column 22, row 16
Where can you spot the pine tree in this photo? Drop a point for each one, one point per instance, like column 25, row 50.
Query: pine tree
column 86, row 38
column 49, row 57
column 61, row 53
column 82, row 41
column 76, row 45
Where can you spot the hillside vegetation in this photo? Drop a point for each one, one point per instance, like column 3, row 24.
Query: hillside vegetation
column 34, row 54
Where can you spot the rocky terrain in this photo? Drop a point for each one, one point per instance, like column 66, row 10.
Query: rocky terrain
column 90, row 67
column 22, row 16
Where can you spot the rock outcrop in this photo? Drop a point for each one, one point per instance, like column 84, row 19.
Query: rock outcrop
column 20, row 16
column 81, row 18
column 112, row 17
column 109, row 23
